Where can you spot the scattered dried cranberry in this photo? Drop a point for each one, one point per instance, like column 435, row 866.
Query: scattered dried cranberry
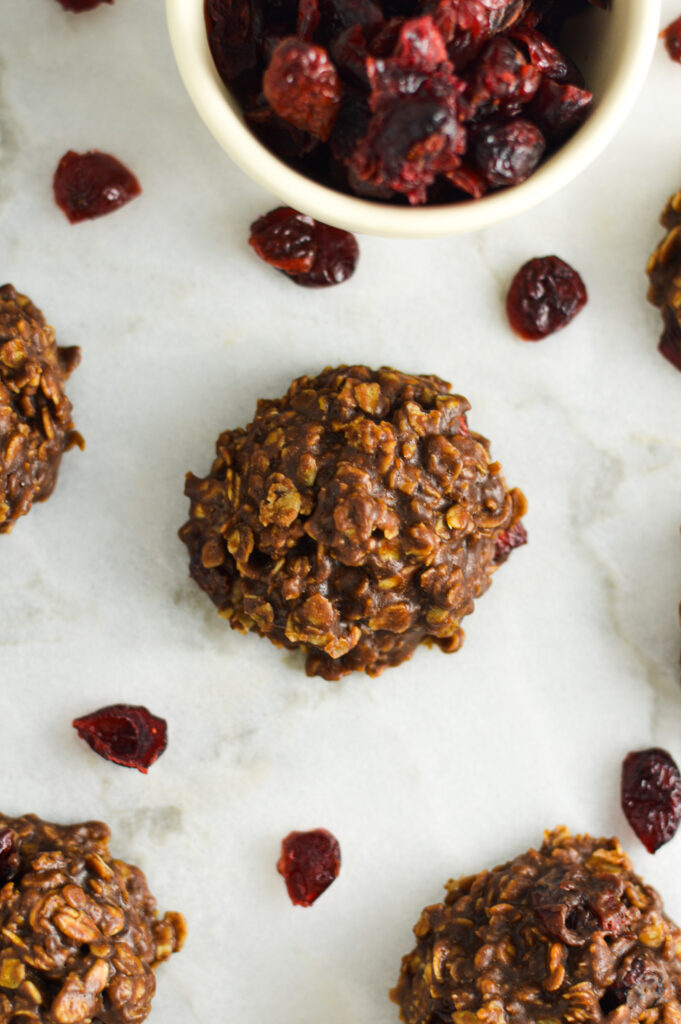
column 507, row 153
column 82, row 5
column 545, row 295
column 515, row 537
column 672, row 40
column 312, row 254
column 126, row 734
column 10, row 861
column 89, row 185
column 302, row 86
column 309, row 862
column 651, row 796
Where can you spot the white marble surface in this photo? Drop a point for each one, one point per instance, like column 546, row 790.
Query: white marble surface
column 439, row 767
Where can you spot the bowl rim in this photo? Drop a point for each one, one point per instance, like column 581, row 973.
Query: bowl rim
column 219, row 112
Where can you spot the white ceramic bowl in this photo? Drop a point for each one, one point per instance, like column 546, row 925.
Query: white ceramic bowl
column 613, row 49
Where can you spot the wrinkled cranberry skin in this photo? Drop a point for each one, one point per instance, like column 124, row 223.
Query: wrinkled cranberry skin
column 545, row 295
column 670, row 342
column 672, row 40
column 10, row 861
column 288, row 240
column 234, row 34
column 125, row 734
column 507, row 154
column 78, row 6
column 90, row 185
column 501, row 80
column 309, row 863
column 302, row 86
column 639, row 984
column 559, row 109
column 285, row 239
column 651, row 796
column 515, row 537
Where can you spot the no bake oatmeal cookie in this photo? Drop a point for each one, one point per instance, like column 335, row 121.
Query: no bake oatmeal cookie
column 354, row 518
column 566, row 934
column 79, row 934
column 35, row 415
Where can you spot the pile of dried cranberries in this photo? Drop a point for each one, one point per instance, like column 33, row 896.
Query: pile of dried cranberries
column 409, row 100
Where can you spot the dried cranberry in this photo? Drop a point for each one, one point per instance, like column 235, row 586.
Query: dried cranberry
column 545, row 295
column 672, row 40
column 126, row 734
column 639, row 984
column 501, row 80
column 464, row 25
column 512, row 538
column 78, row 6
column 651, row 796
column 89, row 185
column 469, row 180
column 670, row 342
column 508, row 153
column 309, row 862
column 572, row 904
column 234, row 34
column 308, row 19
column 349, row 53
column 302, row 86
column 559, row 109
column 312, row 254
column 338, row 15
column 10, row 861
column 541, row 53
column 285, row 239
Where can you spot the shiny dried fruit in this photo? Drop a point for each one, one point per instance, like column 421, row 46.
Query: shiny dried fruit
column 234, row 35
column 507, row 154
column 501, row 81
column 302, row 85
column 126, row 734
column 559, row 109
column 651, row 796
column 10, row 861
column 78, row 6
column 672, row 40
column 312, row 254
column 89, row 185
column 309, row 863
column 512, row 538
column 545, row 295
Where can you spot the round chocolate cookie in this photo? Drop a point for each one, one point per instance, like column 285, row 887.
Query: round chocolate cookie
column 566, row 934
column 354, row 518
column 664, row 273
column 35, row 414
column 79, row 934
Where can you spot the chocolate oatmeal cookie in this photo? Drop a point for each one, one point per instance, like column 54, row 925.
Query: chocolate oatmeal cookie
column 79, row 934
column 35, row 415
column 566, row 934
column 354, row 518
column 664, row 273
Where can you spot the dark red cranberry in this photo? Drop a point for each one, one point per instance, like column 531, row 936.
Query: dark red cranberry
column 508, row 153
column 501, row 80
column 651, row 796
column 672, row 40
column 670, row 342
column 302, row 86
column 464, row 25
column 559, row 109
column 639, row 985
column 312, row 254
column 542, row 53
column 235, row 32
column 126, row 734
column 469, row 180
column 10, row 861
column 82, row 5
column 89, row 185
column 572, row 904
column 512, row 538
column 545, row 295
column 308, row 19
column 309, row 862
column 349, row 53
column 285, row 239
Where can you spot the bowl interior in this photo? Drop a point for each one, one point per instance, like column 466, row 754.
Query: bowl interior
column 613, row 50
